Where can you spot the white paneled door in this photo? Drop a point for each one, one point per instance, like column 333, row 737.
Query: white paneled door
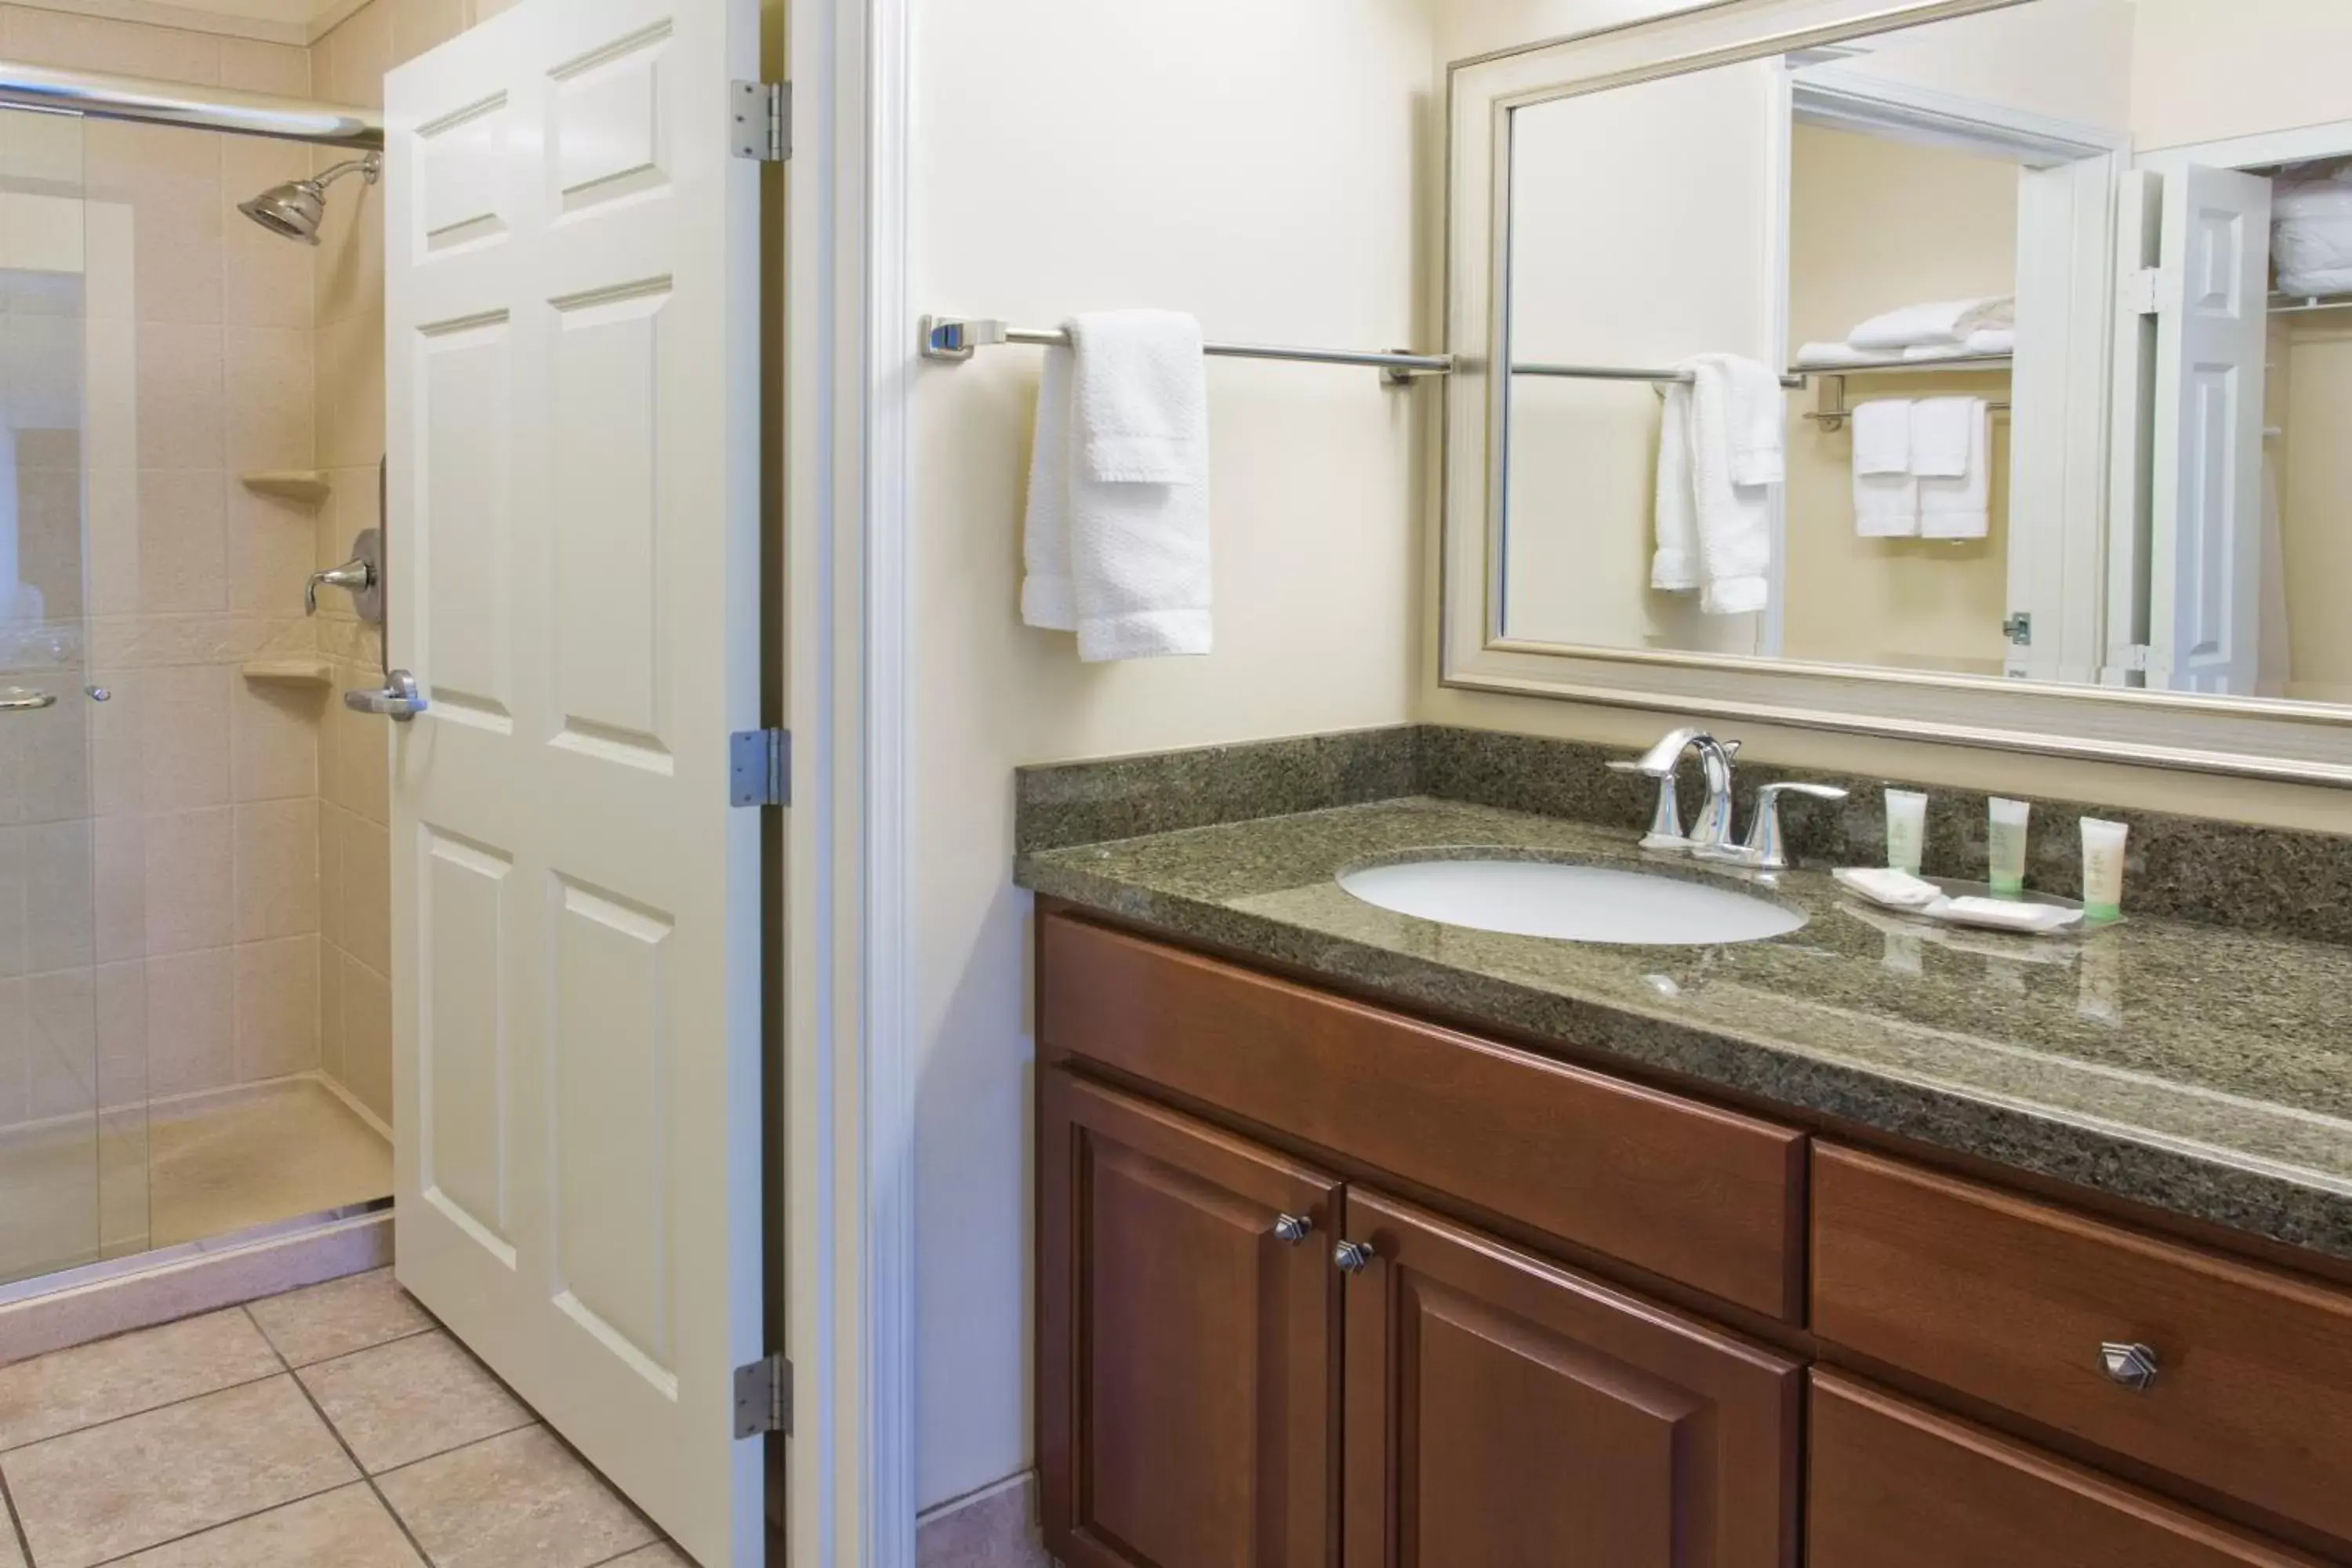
column 574, row 427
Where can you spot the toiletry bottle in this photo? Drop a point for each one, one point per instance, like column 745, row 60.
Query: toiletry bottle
column 2008, row 847
column 1906, row 829
column 2103, row 869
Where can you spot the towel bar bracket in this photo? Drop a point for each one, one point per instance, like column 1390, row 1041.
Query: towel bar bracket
column 1833, row 410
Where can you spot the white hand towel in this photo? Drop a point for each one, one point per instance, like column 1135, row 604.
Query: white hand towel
column 1714, row 532
column 1885, row 506
column 1675, row 568
column 1940, row 435
column 1734, row 518
column 1142, row 398
column 1048, row 598
column 1139, row 484
column 1881, row 436
column 1962, row 508
column 1982, row 342
column 1941, row 322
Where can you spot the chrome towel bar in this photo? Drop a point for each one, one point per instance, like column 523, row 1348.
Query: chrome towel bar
column 953, row 338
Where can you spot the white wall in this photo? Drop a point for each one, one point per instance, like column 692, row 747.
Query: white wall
column 2204, row 70
column 1254, row 164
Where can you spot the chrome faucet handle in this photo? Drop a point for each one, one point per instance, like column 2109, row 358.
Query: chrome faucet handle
column 357, row 575
column 1666, row 816
column 1765, row 845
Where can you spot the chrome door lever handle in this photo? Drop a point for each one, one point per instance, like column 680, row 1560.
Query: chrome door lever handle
column 400, row 700
column 16, row 699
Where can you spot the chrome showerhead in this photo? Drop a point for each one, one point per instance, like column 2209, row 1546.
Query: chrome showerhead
column 296, row 208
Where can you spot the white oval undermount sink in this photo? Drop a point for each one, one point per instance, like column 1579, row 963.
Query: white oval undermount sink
column 1571, row 903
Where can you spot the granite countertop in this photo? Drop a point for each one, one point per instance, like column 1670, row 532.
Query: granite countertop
column 2194, row 1068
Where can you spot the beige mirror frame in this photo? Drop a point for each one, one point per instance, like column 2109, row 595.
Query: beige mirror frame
column 2302, row 742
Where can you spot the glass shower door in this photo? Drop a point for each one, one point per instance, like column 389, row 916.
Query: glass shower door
column 72, row 1045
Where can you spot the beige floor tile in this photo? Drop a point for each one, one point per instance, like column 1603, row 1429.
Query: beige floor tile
column 12, row 1555
column 70, row 1389
column 153, row 1479
column 346, row 1529
column 411, row 1399
column 660, row 1554
column 257, row 1157
column 518, row 1502
column 339, row 1317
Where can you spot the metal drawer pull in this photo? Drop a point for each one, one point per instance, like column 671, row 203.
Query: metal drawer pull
column 1353, row 1258
column 16, row 699
column 2132, row 1365
column 1292, row 1228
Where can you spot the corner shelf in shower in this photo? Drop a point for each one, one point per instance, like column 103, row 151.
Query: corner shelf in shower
column 295, row 671
column 308, row 486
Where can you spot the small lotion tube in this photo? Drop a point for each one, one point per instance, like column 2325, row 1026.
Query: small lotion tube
column 2103, row 868
column 2008, row 845
column 1906, row 829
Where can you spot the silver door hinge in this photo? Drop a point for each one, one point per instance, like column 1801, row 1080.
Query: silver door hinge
column 2143, row 290
column 763, row 1397
column 760, row 767
column 2018, row 629
column 764, row 120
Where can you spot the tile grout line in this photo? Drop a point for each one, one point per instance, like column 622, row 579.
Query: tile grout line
column 335, row 1432
column 15, row 1520
column 223, row 1524
column 135, row 1415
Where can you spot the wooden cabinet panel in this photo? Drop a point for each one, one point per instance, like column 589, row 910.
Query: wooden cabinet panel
column 1186, row 1352
column 1708, row 1197
column 1895, row 1485
column 2010, row 1300
column 1504, row 1412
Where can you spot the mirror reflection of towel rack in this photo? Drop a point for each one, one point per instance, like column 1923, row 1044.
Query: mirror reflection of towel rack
column 1834, row 411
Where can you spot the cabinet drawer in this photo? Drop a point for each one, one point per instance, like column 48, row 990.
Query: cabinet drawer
column 2011, row 1300
column 1895, row 1485
column 1708, row 1197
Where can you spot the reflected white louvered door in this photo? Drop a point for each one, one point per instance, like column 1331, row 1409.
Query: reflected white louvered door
column 2212, row 335
column 573, row 412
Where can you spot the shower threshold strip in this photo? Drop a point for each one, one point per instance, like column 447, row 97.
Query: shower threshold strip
column 110, row 1269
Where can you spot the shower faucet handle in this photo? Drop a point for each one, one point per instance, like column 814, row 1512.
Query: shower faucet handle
column 357, row 575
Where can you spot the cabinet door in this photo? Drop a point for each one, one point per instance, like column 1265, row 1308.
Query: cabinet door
column 1187, row 1342
column 1895, row 1485
column 1504, row 1412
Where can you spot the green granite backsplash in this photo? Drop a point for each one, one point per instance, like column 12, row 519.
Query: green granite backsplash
column 2269, row 880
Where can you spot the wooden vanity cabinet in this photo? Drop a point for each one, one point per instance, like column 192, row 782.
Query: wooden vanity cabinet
column 1249, row 1358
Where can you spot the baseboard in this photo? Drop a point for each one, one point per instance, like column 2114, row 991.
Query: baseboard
column 191, row 1281
column 995, row 1527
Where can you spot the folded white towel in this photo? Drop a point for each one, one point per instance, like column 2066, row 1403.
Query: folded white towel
column 1836, row 356
column 1885, row 506
column 1714, row 530
column 1982, row 342
column 1881, row 436
column 1117, row 531
column 1961, row 508
column 1942, row 321
column 1940, row 435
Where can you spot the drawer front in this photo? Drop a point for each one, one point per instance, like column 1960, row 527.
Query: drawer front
column 1707, row 1197
column 2011, row 1301
column 1895, row 1485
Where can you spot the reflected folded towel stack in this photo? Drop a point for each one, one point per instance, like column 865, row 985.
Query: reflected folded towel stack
column 1922, row 468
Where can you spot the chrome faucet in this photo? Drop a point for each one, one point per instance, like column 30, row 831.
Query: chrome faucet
column 1765, row 848
column 357, row 574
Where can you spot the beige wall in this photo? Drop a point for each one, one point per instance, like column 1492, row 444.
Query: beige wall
column 1257, row 173
column 2203, row 71
column 2314, row 465
column 348, row 66
column 1875, row 225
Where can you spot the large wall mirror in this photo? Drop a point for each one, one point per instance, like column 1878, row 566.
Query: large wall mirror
column 1977, row 372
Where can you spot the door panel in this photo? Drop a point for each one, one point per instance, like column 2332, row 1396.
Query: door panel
column 573, row 410
column 2212, row 331
column 1505, row 1412
column 1186, row 1374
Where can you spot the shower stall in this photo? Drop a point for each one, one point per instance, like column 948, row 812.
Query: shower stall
column 181, row 788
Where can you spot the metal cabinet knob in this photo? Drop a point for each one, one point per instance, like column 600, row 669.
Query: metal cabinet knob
column 2132, row 1365
column 1292, row 1228
column 1353, row 1258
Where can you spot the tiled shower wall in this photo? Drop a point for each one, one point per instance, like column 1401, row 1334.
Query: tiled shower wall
column 348, row 67
column 167, row 881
